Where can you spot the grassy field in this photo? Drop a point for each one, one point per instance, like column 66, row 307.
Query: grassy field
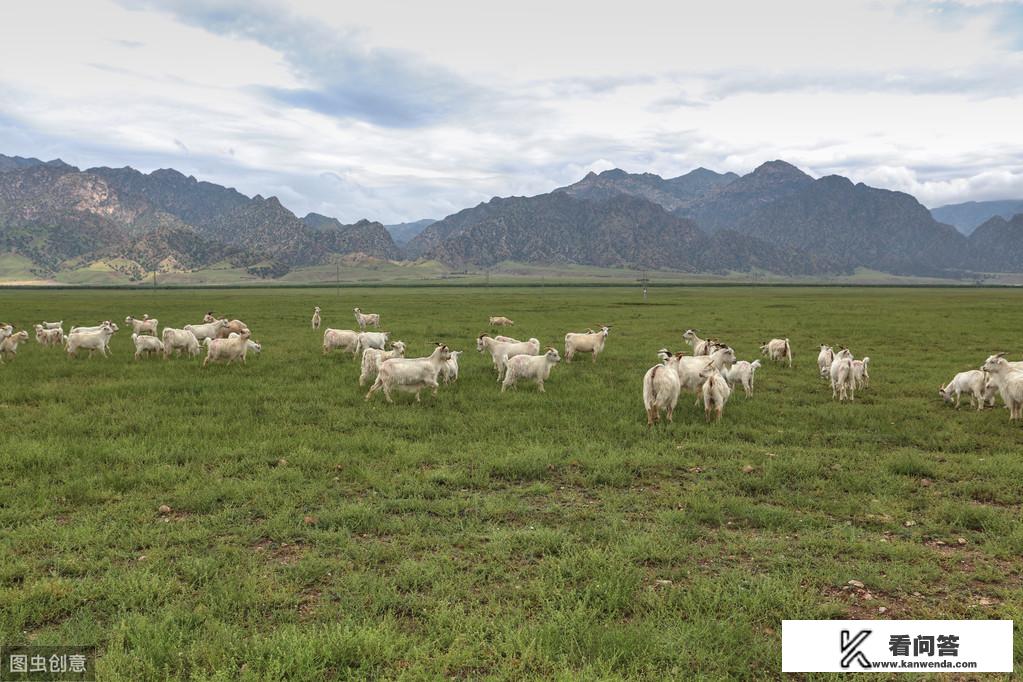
column 314, row 536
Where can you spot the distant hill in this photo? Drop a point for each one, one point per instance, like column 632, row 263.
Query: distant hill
column 403, row 233
column 8, row 163
column 966, row 217
column 60, row 217
column 997, row 245
column 672, row 194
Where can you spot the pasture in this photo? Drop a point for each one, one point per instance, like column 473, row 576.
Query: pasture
column 478, row 535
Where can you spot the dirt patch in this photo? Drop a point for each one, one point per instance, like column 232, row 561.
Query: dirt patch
column 283, row 553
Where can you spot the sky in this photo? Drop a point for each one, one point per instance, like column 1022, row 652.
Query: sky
column 397, row 110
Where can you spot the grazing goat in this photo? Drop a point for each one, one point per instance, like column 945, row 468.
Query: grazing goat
column 778, row 350
column 53, row 325
column 499, row 321
column 146, row 345
column 715, row 393
column 206, row 330
column 49, row 337
column 1009, row 382
column 232, row 327
column 592, row 342
column 345, row 339
column 410, row 374
column 742, row 372
column 861, row 372
column 177, row 340
column 449, row 372
column 974, row 382
column 501, row 350
column 255, row 347
column 91, row 341
column 661, row 388
column 376, row 340
column 234, row 347
column 372, row 358
column 690, row 368
column 9, row 346
column 824, row 359
column 534, row 367
column 147, row 325
column 366, row 319
column 843, row 383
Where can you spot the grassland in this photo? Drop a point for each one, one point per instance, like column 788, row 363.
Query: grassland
column 314, row 536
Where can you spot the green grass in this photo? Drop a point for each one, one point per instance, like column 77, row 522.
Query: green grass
column 510, row 536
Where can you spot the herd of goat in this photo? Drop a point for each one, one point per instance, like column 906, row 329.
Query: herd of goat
column 711, row 372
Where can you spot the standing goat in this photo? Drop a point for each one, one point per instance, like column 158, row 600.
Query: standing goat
column 410, row 374
column 778, row 350
column 843, row 383
column 824, row 359
column 366, row 319
column 9, row 346
column 715, row 393
column 591, row 342
column 1009, row 382
column 742, row 372
column 535, row 367
column 316, row 317
column 372, row 358
column 661, row 388
column 973, row 382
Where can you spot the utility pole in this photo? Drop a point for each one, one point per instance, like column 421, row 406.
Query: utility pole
column 645, row 281
column 337, row 277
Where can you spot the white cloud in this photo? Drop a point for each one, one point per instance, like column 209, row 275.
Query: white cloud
column 397, row 110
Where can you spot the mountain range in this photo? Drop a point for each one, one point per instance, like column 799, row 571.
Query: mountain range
column 60, row 217
column 970, row 215
column 776, row 219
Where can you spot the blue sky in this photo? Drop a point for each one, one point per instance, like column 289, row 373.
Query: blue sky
column 397, row 110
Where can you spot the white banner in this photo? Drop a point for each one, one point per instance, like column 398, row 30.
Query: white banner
column 896, row 646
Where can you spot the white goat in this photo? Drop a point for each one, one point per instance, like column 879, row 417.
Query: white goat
column 843, row 383
column 410, row 374
column 501, row 350
column 232, row 327
column 316, row 317
column 53, row 325
column 690, row 368
column 778, row 350
column 255, row 347
column 366, row 319
column 345, row 339
column 207, row 330
column 500, row 321
column 1009, row 382
column 449, row 372
column 742, row 373
column 146, row 345
column 974, row 382
column 824, row 359
column 372, row 358
column 98, row 327
column 147, row 325
column 178, row 340
column 661, row 388
column 376, row 340
column 861, row 372
column 49, row 337
column 715, row 393
column 9, row 346
column 701, row 346
column 592, row 342
column 530, row 367
column 506, row 339
column 209, row 317
column 5, row 331
column 91, row 341
column 234, row 347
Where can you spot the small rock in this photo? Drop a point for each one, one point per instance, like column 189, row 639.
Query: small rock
column 940, row 543
column 663, row 582
column 282, row 462
column 748, row 469
column 882, row 609
column 984, row 601
column 771, row 454
column 925, row 482
column 164, row 509
column 309, row 520
column 909, row 523
column 961, row 541
column 867, row 596
column 856, row 583
column 142, row 557
column 696, row 470
column 917, row 594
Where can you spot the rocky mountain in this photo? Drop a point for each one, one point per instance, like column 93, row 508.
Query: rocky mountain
column 403, row 233
column 856, row 225
column 366, row 237
column 672, row 194
column 8, row 163
column 997, row 245
column 622, row 230
column 59, row 216
column 968, row 216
